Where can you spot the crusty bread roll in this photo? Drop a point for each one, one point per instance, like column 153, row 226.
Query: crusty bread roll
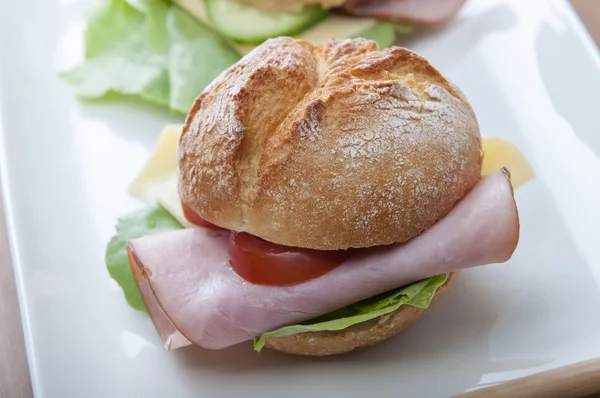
column 358, row 336
column 333, row 147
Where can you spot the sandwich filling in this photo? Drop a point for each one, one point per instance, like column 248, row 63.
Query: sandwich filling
column 266, row 263
column 194, row 295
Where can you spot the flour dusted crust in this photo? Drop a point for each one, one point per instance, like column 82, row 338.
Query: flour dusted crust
column 361, row 335
column 333, row 147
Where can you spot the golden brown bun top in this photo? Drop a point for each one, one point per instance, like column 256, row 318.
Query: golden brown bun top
column 329, row 147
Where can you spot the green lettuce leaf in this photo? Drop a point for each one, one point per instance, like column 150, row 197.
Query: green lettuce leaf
column 143, row 222
column 384, row 33
column 148, row 48
column 418, row 294
column 196, row 57
column 123, row 54
column 156, row 28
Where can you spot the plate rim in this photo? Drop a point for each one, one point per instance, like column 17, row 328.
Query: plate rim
column 16, row 262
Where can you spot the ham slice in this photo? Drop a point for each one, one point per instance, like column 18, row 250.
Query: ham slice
column 420, row 11
column 187, row 273
column 166, row 330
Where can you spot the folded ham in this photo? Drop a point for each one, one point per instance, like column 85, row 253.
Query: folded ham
column 191, row 291
column 420, row 11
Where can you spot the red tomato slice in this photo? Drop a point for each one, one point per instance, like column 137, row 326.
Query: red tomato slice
column 266, row 263
column 195, row 219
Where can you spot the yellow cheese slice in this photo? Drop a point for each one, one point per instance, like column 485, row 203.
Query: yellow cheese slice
column 498, row 153
column 162, row 163
column 157, row 181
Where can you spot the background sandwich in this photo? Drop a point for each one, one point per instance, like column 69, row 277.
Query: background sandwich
column 167, row 52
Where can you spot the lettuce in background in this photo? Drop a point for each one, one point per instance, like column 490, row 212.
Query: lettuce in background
column 154, row 50
column 196, row 57
column 148, row 48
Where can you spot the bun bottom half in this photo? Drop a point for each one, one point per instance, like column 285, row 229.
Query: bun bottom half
column 361, row 335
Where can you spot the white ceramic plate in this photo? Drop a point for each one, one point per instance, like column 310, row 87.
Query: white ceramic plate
column 532, row 75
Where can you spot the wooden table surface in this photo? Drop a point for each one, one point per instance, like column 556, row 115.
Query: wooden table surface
column 14, row 372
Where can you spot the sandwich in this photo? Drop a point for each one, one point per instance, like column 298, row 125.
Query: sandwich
column 166, row 52
column 330, row 195
column 253, row 21
column 419, row 11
